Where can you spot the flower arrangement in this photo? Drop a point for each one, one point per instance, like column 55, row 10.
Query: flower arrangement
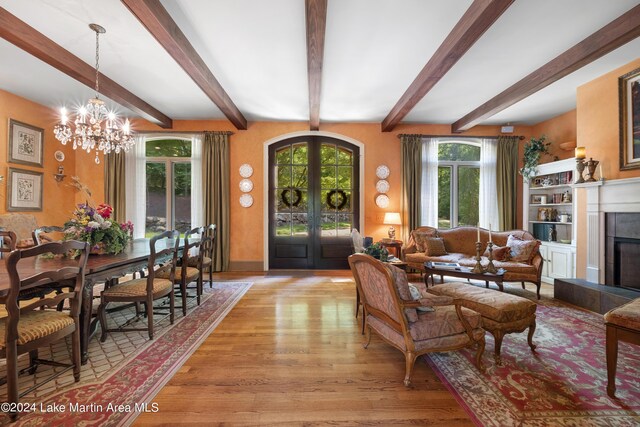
column 377, row 251
column 94, row 225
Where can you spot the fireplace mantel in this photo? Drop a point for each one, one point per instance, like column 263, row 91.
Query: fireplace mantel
column 620, row 195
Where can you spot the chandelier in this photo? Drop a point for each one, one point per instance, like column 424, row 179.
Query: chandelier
column 95, row 128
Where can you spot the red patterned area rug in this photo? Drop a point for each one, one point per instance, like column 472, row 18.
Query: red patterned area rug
column 124, row 374
column 562, row 384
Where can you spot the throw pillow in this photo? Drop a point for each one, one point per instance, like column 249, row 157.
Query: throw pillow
column 416, row 295
column 435, row 247
column 522, row 250
column 402, row 285
column 420, row 236
column 500, row 253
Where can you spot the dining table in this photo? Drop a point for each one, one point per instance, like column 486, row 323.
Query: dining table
column 104, row 268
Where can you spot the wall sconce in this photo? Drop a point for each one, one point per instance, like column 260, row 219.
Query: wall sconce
column 392, row 218
column 60, row 175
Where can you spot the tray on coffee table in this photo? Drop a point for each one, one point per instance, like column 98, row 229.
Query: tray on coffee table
column 462, row 272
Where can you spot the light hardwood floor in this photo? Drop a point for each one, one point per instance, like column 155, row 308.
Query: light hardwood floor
column 290, row 352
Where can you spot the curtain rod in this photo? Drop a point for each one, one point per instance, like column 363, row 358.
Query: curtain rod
column 520, row 137
column 222, row 132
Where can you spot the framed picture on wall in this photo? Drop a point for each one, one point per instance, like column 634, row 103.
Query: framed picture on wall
column 25, row 143
column 629, row 86
column 24, row 190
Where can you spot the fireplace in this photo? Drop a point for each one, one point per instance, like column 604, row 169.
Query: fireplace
column 622, row 250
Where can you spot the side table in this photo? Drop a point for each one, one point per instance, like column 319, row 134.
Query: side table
column 394, row 244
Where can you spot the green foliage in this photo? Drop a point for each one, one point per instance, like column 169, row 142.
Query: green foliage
column 456, row 151
column 156, row 171
column 377, row 251
column 532, row 152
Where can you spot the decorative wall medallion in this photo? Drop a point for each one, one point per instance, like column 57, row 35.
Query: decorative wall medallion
column 382, row 201
column 59, row 155
column 382, row 171
column 382, row 186
column 246, row 185
column 246, row 170
column 246, row 200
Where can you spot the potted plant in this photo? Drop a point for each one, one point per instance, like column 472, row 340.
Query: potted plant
column 377, row 251
column 533, row 149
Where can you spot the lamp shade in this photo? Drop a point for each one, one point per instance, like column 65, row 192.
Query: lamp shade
column 392, row 218
column 580, row 153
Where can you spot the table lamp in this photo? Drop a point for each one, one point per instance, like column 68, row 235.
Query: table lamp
column 392, row 218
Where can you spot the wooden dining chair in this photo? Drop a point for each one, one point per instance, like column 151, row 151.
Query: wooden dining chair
column 163, row 258
column 210, row 251
column 38, row 324
column 208, row 248
column 190, row 269
column 44, row 234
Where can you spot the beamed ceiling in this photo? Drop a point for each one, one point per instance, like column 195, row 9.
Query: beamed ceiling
column 457, row 62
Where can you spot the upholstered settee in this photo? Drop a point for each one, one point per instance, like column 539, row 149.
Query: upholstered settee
column 521, row 259
column 21, row 224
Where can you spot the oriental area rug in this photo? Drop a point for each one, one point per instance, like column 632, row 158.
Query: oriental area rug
column 124, row 373
column 562, row 384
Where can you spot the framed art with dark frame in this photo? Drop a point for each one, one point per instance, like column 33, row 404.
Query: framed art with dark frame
column 25, row 190
column 629, row 87
column 25, row 143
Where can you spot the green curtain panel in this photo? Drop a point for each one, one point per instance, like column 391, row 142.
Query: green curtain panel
column 506, row 176
column 114, row 185
column 215, row 174
column 411, row 183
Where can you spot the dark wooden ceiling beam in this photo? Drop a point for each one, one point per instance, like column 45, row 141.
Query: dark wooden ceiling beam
column 159, row 23
column 316, row 13
column 610, row 37
column 37, row 44
column 475, row 21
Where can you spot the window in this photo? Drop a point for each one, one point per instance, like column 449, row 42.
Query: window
column 458, row 184
column 168, row 185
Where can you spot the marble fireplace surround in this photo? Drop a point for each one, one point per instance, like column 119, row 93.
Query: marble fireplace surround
column 620, row 195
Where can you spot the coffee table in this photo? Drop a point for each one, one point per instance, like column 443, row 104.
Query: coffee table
column 463, row 272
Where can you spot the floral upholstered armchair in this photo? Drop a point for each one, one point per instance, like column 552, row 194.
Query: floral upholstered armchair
column 390, row 311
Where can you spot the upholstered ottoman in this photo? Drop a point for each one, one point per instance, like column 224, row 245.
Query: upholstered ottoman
column 623, row 324
column 501, row 313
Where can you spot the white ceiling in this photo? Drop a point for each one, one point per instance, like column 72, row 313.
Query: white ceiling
column 373, row 51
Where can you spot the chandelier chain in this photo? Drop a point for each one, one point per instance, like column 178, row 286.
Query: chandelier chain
column 97, row 63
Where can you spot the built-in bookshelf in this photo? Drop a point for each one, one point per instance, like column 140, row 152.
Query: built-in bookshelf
column 549, row 214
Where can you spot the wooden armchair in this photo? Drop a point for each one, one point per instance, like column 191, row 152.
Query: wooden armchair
column 164, row 246
column 390, row 312
column 36, row 325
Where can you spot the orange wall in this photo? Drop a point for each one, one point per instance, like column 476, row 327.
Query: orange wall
column 598, row 131
column 247, row 225
column 558, row 129
column 58, row 198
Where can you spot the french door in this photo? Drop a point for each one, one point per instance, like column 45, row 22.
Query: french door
column 313, row 202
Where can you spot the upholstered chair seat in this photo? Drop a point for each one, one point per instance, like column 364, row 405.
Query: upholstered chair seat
column 38, row 324
column 193, row 262
column 192, row 273
column 137, row 288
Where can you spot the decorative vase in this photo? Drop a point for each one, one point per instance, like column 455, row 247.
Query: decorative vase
column 98, row 249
